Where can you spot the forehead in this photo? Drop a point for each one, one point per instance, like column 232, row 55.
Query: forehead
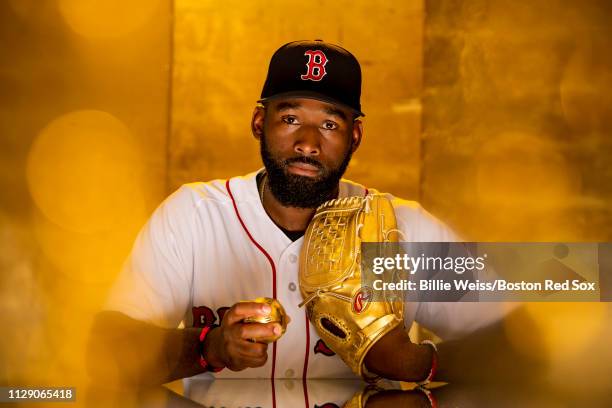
column 308, row 105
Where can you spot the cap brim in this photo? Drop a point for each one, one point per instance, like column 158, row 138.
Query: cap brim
column 311, row 95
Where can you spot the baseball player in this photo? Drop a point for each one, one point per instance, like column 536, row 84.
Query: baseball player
column 177, row 308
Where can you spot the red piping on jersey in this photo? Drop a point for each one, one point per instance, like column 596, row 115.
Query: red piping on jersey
column 305, row 372
column 273, row 389
column 267, row 255
column 261, row 249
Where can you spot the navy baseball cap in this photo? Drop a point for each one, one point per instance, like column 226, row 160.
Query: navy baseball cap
column 316, row 70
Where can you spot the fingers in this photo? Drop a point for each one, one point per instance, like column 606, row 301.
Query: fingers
column 257, row 331
column 243, row 361
column 244, row 354
column 242, row 310
column 244, row 343
column 252, row 350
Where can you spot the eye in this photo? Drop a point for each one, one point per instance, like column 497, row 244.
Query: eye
column 329, row 125
column 290, row 120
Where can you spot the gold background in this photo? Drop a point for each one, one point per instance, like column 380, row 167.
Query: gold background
column 495, row 115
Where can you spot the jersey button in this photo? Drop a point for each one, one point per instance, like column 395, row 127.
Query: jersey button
column 289, row 373
column 292, row 258
column 292, row 287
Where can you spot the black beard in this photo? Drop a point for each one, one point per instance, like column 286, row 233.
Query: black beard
column 292, row 190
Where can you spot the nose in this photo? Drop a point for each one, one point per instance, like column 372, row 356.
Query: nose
column 308, row 141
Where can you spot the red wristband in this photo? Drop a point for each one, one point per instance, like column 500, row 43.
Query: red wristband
column 434, row 363
column 432, row 400
column 203, row 361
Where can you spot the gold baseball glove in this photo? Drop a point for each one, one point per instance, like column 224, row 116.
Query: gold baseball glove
column 338, row 304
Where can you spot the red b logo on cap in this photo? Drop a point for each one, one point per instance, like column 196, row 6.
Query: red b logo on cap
column 315, row 65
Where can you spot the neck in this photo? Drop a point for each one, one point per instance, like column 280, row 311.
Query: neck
column 289, row 218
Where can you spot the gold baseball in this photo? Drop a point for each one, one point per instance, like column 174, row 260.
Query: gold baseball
column 277, row 315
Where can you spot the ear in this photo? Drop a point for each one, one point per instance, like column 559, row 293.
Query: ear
column 357, row 134
column 257, row 122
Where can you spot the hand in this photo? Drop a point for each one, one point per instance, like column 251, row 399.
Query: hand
column 234, row 344
column 395, row 357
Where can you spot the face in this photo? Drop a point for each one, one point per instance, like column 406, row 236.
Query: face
column 306, row 146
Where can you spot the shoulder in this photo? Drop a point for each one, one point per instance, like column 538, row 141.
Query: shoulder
column 189, row 197
column 419, row 224
column 348, row 188
column 205, row 201
column 413, row 219
column 213, row 192
column 198, row 193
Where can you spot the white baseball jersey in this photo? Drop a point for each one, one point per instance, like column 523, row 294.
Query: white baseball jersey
column 211, row 245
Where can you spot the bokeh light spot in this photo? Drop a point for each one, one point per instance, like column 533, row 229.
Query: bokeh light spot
column 83, row 171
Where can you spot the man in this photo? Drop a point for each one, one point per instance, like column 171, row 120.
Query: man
column 211, row 245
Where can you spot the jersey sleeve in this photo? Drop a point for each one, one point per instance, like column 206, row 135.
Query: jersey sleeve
column 449, row 320
column 155, row 282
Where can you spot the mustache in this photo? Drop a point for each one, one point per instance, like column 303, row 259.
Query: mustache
column 304, row 159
